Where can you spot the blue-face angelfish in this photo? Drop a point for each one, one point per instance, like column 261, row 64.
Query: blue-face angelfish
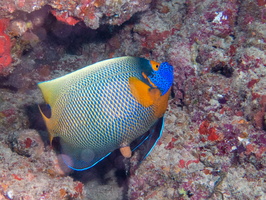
column 106, row 106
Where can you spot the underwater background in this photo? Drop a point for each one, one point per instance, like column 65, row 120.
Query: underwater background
column 214, row 140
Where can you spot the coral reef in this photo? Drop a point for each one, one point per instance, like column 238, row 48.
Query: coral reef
column 30, row 167
column 92, row 12
column 214, row 142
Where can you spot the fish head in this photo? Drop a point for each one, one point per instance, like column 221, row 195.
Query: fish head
column 161, row 76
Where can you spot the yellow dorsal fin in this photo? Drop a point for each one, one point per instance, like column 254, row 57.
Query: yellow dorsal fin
column 51, row 89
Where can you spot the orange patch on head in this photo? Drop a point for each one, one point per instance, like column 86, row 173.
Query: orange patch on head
column 155, row 65
column 155, row 94
column 161, row 104
column 126, row 151
column 140, row 91
column 148, row 96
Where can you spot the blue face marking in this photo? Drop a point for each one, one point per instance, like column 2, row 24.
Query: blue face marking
column 163, row 78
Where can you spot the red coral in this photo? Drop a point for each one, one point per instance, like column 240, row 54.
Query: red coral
column 203, row 129
column 170, row 144
column 64, row 17
column 258, row 117
column 261, row 2
column 183, row 164
column 252, row 83
column 5, row 46
column 8, row 112
column 213, row 136
column 232, row 50
column 79, row 188
column 255, row 96
column 211, row 132
column 27, row 142
column 15, row 176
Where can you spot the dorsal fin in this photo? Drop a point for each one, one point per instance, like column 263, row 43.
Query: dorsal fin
column 51, row 89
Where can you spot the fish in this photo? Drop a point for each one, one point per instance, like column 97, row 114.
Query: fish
column 107, row 106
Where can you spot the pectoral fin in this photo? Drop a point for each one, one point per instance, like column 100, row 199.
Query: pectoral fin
column 126, row 151
column 143, row 93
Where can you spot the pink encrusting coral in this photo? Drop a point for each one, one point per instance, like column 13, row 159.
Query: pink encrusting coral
column 5, row 46
column 213, row 145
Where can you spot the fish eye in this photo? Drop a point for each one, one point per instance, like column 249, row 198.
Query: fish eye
column 155, row 65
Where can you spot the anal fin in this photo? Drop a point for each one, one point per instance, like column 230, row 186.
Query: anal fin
column 147, row 141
